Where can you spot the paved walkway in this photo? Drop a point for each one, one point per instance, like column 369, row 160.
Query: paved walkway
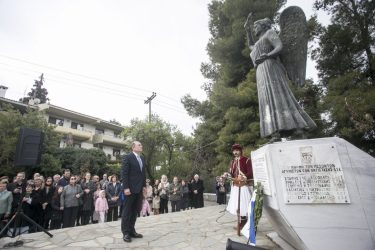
column 205, row 228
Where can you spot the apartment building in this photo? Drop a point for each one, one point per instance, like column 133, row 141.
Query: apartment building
column 79, row 130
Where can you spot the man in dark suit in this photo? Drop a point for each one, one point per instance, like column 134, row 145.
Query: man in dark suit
column 133, row 180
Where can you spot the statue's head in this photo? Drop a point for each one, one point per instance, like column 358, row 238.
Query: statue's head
column 262, row 25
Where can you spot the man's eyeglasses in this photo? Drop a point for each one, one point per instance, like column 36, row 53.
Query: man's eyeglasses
column 73, row 179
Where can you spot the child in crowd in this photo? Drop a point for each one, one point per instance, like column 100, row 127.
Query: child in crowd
column 101, row 206
column 146, row 208
column 96, row 216
column 156, row 201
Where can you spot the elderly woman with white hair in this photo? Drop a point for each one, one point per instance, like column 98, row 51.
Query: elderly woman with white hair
column 197, row 189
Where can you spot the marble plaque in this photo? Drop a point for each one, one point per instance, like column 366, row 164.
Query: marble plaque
column 261, row 173
column 312, row 174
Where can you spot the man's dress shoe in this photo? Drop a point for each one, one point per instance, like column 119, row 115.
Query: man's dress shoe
column 127, row 238
column 136, row 235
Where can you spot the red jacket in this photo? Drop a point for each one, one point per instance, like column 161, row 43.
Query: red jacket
column 245, row 167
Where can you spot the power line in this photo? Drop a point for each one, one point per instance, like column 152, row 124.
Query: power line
column 101, row 89
column 65, row 78
column 83, row 76
column 166, row 103
column 115, row 92
column 120, row 93
column 68, row 80
column 73, row 73
column 171, row 108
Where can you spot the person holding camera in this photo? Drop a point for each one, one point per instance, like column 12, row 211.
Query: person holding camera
column 17, row 187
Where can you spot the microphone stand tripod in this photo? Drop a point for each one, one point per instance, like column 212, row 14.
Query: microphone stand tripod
column 17, row 219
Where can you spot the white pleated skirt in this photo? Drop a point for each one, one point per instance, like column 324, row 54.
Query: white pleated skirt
column 244, row 200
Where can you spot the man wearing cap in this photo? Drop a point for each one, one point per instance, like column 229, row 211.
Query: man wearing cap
column 241, row 173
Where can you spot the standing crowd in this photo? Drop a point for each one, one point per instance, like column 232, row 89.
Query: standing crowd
column 71, row 200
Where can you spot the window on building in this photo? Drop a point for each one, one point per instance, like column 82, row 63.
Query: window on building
column 55, row 121
column 76, row 125
column 100, row 146
column 116, row 152
column 117, row 134
column 76, row 145
column 99, row 131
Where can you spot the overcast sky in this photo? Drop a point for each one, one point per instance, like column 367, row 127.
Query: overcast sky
column 105, row 57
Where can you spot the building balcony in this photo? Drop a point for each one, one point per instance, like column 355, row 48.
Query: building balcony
column 77, row 134
column 108, row 140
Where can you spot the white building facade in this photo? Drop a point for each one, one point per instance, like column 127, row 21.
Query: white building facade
column 83, row 131
column 79, row 130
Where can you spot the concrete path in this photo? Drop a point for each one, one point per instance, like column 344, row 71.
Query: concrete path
column 205, row 228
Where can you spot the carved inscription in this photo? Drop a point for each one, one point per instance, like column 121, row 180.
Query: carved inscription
column 319, row 181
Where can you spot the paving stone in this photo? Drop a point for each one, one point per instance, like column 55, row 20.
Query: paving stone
column 191, row 248
column 136, row 243
column 205, row 228
column 86, row 243
column 208, row 242
column 116, row 246
column 49, row 247
column 105, row 240
column 181, row 245
column 42, row 244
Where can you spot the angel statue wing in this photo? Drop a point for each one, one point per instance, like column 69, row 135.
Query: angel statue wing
column 294, row 36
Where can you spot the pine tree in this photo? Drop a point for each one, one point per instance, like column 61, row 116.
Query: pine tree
column 37, row 92
column 346, row 64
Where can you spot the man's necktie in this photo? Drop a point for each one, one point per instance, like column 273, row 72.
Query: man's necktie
column 140, row 162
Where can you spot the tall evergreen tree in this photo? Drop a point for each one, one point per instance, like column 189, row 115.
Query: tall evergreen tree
column 37, row 91
column 346, row 63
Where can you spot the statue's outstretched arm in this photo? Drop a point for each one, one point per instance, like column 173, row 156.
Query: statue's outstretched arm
column 249, row 30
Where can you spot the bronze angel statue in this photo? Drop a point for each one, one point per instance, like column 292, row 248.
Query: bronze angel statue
column 278, row 62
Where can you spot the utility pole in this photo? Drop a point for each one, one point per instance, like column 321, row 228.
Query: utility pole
column 148, row 101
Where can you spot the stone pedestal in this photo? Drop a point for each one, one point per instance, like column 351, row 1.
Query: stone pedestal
column 319, row 193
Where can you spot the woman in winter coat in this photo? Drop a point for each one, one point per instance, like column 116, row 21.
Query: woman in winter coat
column 113, row 191
column 56, row 213
column 164, row 193
column 38, row 189
column 47, row 194
column 88, row 188
column 156, row 201
column 175, row 194
column 221, row 191
column 184, row 195
column 30, row 204
column 197, row 189
column 69, row 202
